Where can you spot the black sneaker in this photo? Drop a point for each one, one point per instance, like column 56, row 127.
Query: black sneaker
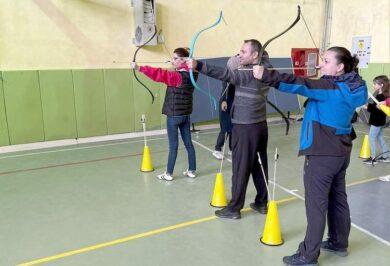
column 383, row 160
column 228, row 214
column 263, row 209
column 298, row 259
column 328, row 246
column 370, row 161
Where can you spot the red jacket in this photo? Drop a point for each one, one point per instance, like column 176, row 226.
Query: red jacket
column 170, row 78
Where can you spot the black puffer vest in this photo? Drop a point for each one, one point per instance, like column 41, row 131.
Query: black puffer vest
column 178, row 100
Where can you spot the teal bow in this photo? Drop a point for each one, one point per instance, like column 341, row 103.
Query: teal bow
column 192, row 46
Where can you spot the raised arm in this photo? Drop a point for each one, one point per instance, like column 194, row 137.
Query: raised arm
column 170, row 78
column 312, row 88
column 221, row 73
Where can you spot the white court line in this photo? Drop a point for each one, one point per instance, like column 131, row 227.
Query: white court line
column 353, row 224
column 97, row 139
column 207, row 148
column 112, row 144
column 292, row 192
column 79, row 148
column 371, row 234
column 73, row 142
column 93, row 146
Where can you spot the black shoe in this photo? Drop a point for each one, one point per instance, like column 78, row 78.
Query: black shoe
column 370, row 161
column 298, row 259
column 263, row 209
column 328, row 246
column 383, row 160
column 228, row 214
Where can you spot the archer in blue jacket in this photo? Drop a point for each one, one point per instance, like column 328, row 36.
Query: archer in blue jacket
column 326, row 143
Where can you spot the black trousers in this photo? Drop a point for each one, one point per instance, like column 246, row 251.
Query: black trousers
column 325, row 198
column 221, row 140
column 225, row 123
column 247, row 141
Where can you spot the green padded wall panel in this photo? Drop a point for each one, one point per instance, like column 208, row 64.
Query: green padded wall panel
column 143, row 103
column 386, row 69
column 58, row 104
column 4, row 137
column 23, row 105
column 119, row 100
column 370, row 73
column 90, row 102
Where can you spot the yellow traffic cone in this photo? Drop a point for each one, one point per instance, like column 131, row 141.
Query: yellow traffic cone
column 365, row 151
column 219, row 197
column 146, row 165
column 385, row 109
column 272, row 235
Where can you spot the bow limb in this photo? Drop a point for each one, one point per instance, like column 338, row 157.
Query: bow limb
column 261, row 53
column 192, row 46
column 134, row 60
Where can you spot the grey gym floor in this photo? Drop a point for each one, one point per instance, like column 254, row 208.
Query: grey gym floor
column 90, row 205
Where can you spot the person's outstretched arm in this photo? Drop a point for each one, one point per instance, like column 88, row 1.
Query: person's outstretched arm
column 312, row 88
column 170, row 78
column 221, row 73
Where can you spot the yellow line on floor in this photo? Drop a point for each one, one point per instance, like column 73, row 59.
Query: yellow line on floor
column 132, row 237
column 362, row 181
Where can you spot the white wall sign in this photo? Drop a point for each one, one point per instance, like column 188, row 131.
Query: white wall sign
column 361, row 46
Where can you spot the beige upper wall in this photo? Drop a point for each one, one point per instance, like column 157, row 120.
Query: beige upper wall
column 360, row 18
column 46, row 34
column 58, row 34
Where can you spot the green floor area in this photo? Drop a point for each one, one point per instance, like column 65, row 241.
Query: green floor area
column 92, row 201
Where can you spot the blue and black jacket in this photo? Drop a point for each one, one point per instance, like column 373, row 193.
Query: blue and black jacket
column 332, row 101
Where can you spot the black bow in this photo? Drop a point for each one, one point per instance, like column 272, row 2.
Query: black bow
column 261, row 53
column 134, row 60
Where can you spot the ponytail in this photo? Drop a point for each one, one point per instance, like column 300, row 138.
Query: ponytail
column 344, row 56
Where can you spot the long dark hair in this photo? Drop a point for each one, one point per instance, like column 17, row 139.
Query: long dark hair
column 345, row 57
column 384, row 81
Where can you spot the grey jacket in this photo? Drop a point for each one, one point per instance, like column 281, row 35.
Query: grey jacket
column 248, row 106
